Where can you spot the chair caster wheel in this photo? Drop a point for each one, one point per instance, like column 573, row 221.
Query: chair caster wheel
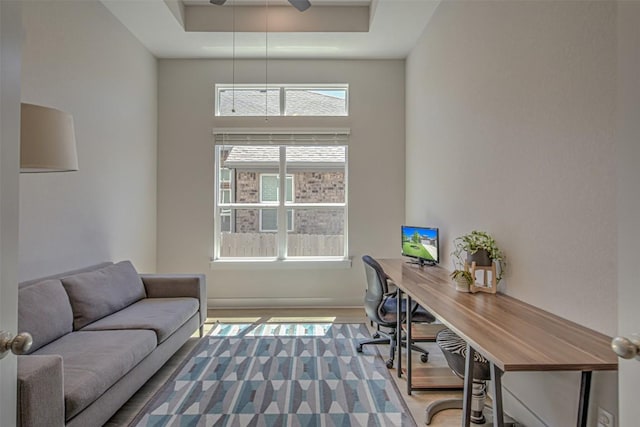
column 424, row 358
column 359, row 349
column 390, row 363
column 376, row 335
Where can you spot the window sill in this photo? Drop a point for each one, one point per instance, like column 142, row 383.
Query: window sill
column 275, row 264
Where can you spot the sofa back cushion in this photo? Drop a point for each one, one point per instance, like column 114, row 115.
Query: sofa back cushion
column 96, row 294
column 44, row 311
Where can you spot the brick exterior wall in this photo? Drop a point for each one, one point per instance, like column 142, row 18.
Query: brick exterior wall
column 247, row 191
column 309, row 187
column 314, row 187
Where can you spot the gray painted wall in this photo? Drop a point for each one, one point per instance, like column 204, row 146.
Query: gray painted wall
column 80, row 59
column 185, row 173
column 510, row 129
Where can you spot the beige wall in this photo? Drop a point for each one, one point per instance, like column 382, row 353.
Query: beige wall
column 80, row 59
column 185, row 174
column 510, row 129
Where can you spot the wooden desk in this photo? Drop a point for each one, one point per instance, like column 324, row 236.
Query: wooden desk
column 511, row 334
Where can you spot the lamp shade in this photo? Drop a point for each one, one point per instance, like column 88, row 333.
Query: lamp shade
column 47, row 140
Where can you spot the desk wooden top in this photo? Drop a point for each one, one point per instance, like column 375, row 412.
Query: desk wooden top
column 514, row 335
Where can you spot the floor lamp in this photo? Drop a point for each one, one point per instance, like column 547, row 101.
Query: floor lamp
column 47, row 144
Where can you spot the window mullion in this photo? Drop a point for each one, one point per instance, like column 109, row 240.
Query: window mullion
column 283, row 102
column 282, row 212
column 216, row 209
column 232, row 199
column 345, row 212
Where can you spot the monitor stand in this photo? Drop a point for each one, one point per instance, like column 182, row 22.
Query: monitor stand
column 422, row 262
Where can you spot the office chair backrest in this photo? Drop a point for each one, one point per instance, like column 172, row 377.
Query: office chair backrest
column 376, row 288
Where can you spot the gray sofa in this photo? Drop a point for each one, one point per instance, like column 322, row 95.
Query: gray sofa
column 98, row 335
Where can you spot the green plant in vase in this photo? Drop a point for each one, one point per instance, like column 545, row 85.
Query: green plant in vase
column 463, row 279
column 480, row 247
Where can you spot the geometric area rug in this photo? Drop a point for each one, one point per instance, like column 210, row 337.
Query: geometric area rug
column 277, row 375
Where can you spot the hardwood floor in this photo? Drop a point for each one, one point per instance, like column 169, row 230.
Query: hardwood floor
column 417, row 402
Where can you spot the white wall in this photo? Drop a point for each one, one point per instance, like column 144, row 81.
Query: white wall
column 185, row 174
column 628, row 131
column 80, row 59
column 510, row 129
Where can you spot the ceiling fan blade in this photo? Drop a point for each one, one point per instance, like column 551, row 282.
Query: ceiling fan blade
column 217, row 2
column 301, row 5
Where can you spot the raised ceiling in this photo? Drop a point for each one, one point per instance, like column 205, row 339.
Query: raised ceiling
column 354, row 29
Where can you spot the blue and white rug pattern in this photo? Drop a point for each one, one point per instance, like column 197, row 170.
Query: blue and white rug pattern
column 276, row 375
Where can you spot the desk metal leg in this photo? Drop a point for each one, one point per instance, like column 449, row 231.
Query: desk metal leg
column 583, row 404
column 496, row 391
column 409, row 344
column 398, row 344
column 468, row 386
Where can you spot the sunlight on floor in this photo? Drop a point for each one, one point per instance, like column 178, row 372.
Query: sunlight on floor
column 290, row 330
column 230, row 330
column 232, row 319
column 302, row 319
column 285, row 326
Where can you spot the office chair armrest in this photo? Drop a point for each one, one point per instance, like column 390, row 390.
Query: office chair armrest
column 391, row 287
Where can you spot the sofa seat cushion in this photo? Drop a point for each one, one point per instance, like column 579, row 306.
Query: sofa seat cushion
column 98, row 293
column 94, row 361
column 162, row 315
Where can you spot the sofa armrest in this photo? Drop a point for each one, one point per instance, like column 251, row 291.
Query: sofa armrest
column 40, row 391
column 178, row 285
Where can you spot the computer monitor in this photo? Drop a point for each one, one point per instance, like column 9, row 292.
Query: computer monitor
column 421, row 244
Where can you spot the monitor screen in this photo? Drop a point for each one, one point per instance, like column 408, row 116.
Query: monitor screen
column 421, row 243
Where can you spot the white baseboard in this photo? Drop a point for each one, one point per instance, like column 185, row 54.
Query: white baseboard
column 223, row 303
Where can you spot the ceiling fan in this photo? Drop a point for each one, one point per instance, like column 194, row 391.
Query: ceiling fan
column 301, row 5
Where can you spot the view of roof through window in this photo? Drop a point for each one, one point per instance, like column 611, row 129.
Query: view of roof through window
column 246, row 101
column 270, row 155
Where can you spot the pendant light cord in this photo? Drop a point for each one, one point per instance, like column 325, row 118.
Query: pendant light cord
column 233, row 60
column 266, row 61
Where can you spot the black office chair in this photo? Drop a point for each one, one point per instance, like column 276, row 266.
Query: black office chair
column 381, row 308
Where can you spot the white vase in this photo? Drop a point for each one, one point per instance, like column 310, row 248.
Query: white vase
column 462, row 285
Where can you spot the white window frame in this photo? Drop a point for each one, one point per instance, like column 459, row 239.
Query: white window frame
column 293, row 198
column 230, row 190
column 282, row 88
column 284, row 137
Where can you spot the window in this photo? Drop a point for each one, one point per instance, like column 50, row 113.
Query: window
column 309, row 221
column 247, row 101
column 315, row 102
column 282, row 100
column 269, row 193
